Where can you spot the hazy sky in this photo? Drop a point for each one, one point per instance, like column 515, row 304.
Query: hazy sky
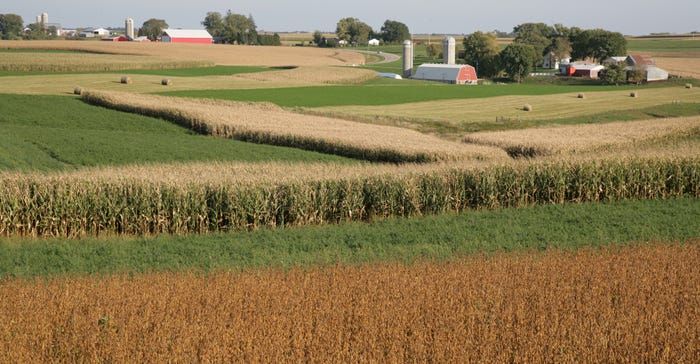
column 630, row 17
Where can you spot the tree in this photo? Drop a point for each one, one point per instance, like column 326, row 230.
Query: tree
column 394, row 32
column 318, row 38
column 214, row 24
column 538, row 35
column 481, row 51
column 432, row 50
column 517, row 60
column 561, row 47
column 614, row 73
column 353, row 30
column 11, row 26
column 153, row 28
column 598, row 44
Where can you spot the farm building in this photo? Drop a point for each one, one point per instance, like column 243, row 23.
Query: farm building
column 460, row 74
column 583, row 69
column 119, row 38
column 650, row 73
column 373, row 42
column 640, row 61
column 186, row 36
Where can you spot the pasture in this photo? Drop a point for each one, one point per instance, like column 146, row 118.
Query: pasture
column 279, row 204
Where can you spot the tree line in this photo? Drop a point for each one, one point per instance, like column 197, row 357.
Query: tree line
column 12, row 28
column 354, row 32
column 535, row 40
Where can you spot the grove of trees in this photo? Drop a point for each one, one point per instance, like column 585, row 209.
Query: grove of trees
column 353, row 31
column 481, row 51
column 233, row 28
column 394, row 32
column 534, row 40
column 11, row 26
column 153, row 28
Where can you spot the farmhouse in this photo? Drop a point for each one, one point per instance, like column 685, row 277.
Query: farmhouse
column 200, row 36
column 552, row 62
column 459, row 74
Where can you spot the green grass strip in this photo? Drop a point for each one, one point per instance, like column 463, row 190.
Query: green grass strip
column 398, row 92
column 567, row 226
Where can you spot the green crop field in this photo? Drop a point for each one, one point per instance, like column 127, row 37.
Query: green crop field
column 53, row 132
column 663, row 45
column 434, row 237
column 386, row 93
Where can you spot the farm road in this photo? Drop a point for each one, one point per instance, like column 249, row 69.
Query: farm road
column 388, row 57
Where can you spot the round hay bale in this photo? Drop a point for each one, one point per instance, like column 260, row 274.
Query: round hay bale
column 688, row 85
column 166, row 82
column 527, row 107
column 581, row 95
column 633, row 94
column 78, row 90
column 126, row 80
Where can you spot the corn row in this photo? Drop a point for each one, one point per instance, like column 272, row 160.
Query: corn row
column 46, row 207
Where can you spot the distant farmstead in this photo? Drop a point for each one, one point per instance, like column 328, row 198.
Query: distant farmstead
column 200, row 36
column 459, row 74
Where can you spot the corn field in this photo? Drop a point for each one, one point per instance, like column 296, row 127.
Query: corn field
column 266, row 123
column 34, row 206
column 621, row 304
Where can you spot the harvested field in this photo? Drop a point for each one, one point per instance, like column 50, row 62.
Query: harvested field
column 637, row 303
column 313, row 75
column 89, row 62
column 215, row 53
column 587, row 137
column 62, row 83
column 270, row 124
column 681, row 66
column 459, row 113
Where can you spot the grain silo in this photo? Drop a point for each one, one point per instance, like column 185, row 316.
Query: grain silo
column 129, row 26
column 448, row 50
column 44, row 19
column 407, row 58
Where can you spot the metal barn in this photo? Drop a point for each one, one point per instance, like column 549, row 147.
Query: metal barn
column 459, row 74
column 200, row 36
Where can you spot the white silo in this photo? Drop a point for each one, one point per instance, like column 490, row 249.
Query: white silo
column 448, row 50
column 38, row 19
column 44, row 18
column 407, row 58
column 129, row 26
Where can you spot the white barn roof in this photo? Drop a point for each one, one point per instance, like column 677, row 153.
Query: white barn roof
column 186, row 33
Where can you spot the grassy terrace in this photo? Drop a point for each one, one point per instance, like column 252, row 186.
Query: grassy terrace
column 54, row 132
column 382, row 92
column 434, row 237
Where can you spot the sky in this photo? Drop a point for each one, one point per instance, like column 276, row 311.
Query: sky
column 630, row 17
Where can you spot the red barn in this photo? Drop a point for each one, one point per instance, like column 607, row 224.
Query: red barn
column 200, row 36
column 120, row 38
column 460, row 74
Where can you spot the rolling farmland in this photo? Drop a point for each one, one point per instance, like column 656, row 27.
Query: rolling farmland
column 279, row 204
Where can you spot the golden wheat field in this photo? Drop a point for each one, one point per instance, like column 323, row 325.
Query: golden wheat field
column 587, row 137
column 620, row 304
column 269, row 123
column 214, row 53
